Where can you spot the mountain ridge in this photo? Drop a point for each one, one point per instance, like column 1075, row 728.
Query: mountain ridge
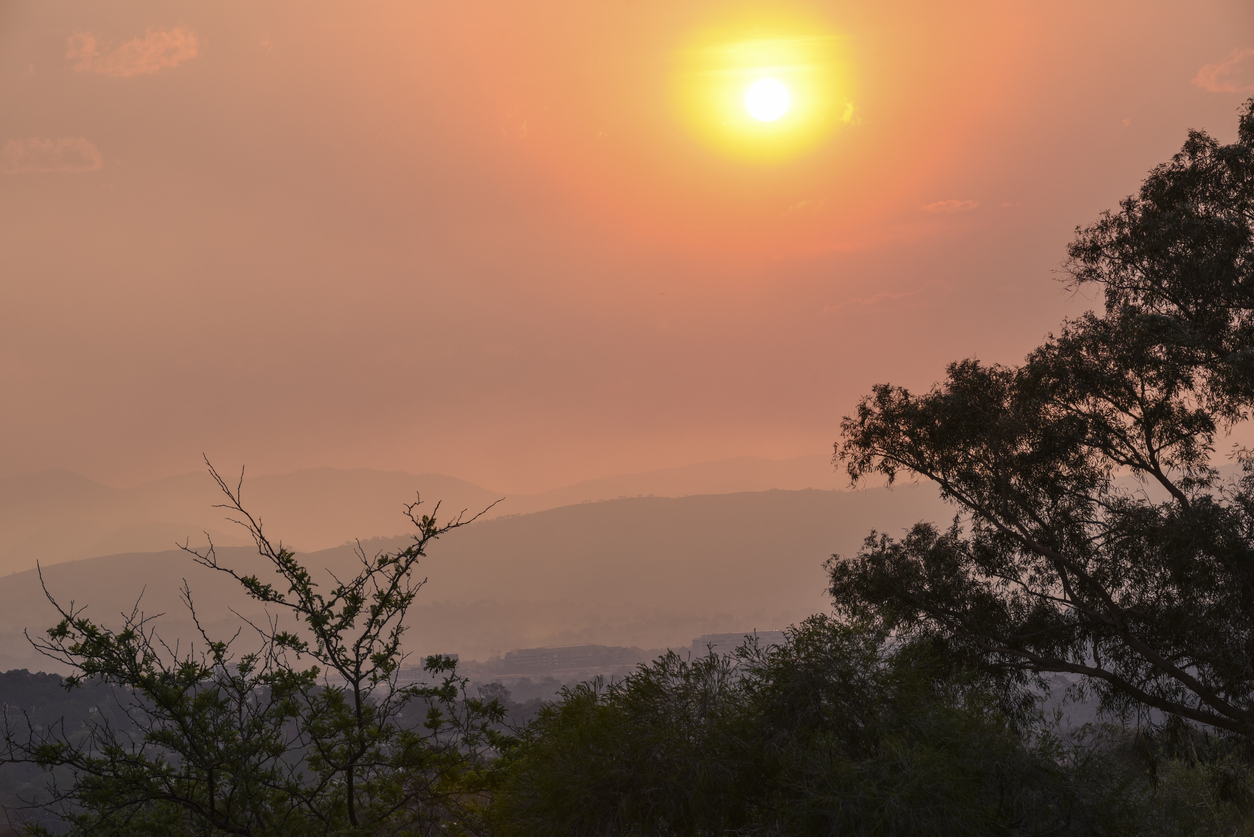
column 58, row 515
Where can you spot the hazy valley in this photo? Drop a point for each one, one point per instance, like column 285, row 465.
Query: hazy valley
column 636, row 571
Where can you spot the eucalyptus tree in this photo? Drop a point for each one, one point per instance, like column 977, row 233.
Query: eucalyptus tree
column 1097, row 532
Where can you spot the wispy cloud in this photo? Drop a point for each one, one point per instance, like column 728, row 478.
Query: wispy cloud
column 951, row 207
column 864, row 302
column 807, row 207
column 35, row 155
column 1235, row 75
column 158, row 49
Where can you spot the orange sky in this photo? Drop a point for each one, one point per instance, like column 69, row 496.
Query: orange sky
column 481, row 238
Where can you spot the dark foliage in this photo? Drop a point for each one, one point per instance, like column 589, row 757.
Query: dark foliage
column 832, row 733
column 1096, row 537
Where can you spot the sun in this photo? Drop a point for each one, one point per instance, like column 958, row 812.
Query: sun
column 767, row 99
column 765, row 87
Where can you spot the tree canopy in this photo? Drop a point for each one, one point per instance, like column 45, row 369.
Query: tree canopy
column 1098, row 532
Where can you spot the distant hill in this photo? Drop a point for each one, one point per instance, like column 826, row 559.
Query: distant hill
column 649, row 572
column 56, row 516
column 727, row 476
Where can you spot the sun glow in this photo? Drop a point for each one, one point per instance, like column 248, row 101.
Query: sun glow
column 765, row 89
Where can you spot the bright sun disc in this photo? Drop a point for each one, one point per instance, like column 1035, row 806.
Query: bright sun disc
column 764, row 87
column 767, row 99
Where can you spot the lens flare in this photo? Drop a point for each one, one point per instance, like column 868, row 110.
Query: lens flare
column 767, row 99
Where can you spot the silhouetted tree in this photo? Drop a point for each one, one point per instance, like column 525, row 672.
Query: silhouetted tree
column 217, row 742
column 1096, row 536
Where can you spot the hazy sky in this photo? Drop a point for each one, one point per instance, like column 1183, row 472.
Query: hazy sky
column 486, row 239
